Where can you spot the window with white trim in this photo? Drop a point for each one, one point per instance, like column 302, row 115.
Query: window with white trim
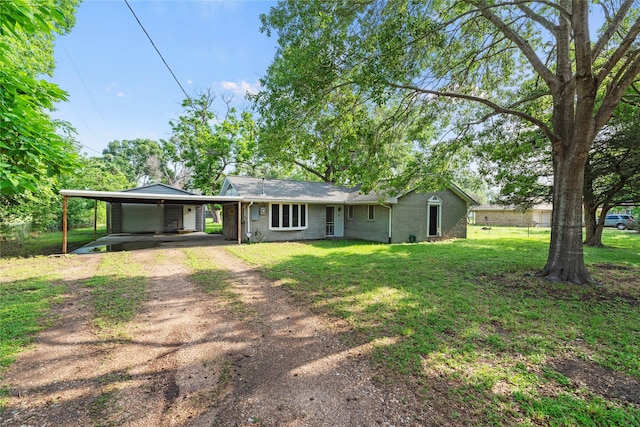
column 371, row 212
column 288, row 216
column 350, row 210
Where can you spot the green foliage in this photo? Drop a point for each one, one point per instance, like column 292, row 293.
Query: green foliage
column 43, row 244
column 451, row 67
column 140, row 160
column 42, row 211
column 210, row 146
column 31, row 151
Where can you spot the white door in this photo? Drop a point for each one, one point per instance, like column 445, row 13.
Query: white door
column 339, row 221
column 189, row 217
column 335, row 221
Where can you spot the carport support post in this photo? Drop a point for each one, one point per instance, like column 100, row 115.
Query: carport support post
column 239, row 222
column 64, row 224
column 95, row 219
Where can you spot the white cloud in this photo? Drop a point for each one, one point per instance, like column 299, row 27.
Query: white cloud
column 189, row 82
column 241, row 88
column 121, row 95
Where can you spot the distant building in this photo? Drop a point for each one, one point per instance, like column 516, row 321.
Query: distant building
column 538, row 215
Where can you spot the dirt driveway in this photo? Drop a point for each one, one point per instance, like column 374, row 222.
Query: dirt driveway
column 187, row 359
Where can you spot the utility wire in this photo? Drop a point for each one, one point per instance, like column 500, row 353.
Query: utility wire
column 159, row 54
column 85, row 86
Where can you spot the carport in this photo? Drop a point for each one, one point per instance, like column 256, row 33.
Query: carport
column 143, row 198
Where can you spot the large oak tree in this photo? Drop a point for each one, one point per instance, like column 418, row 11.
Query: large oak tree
column 559, row 66
column 31, row 150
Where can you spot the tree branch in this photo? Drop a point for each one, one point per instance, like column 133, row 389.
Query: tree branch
column 310, row 170
column 613, row 96
column 612, row 27
column 522, row 44
column 496, row 107
column 550, row 26
column 620, row 52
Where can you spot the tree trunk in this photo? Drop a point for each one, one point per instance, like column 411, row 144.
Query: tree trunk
column 565, row 262
column 593, row 230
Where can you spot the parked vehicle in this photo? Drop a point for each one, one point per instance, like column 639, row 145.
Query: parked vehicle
column 620, row 221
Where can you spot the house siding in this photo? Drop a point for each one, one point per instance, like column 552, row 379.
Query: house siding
column 360, row 227
column 200, row 222
column 172, row 218
column 316, row 225
column 513, row 218
column 410, row 217
column 116, row 218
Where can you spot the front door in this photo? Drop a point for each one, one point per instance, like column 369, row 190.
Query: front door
column 331, row 221
column 189, row 217
column 335, row 221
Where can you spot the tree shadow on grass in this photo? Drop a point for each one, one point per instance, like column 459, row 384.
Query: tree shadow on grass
column 473, row 318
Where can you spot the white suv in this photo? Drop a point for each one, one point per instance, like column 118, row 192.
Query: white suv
column 620, row 221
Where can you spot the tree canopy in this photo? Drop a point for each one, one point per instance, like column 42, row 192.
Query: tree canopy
column 141, row 160
column 211, row 146
column 461, row 64
column 31, row 150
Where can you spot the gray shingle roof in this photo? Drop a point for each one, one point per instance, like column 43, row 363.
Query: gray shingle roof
column 258, row 189
column 298, row 191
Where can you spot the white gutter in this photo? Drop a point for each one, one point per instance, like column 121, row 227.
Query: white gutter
column 390, row 211
column 249, row 220
column 148, row 196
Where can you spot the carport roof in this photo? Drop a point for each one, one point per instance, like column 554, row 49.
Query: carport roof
column 135, row 197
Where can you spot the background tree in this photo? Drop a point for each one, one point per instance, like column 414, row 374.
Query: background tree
column 612, row 174
column 31, row 151
column 534, row 61
column 523, row 173
column 141, row 160
column 211, row 146
column 342, row 139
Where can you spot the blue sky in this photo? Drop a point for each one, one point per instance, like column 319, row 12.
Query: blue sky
column 118, row 86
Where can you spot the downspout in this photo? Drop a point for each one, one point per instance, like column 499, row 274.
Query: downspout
column 239, row 222
column 388, row 207
column 249, row 221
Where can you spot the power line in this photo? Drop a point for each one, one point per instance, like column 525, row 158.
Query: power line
column 85, row 86
column 158, row 51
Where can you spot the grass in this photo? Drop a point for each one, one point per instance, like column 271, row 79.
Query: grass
column 471, row 312
column 466, row 314
column 215, row 281
column 28, row 290
column 117, row 290
column 212, row 227
column 47, row 243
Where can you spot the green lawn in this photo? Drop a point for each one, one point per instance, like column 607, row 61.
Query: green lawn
column 48, row 243
column 212, row 227
column 471, row 311
column 465, row 322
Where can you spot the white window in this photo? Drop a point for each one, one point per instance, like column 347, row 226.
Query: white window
column 288, row 216
column 350, row 210
column 372, row 212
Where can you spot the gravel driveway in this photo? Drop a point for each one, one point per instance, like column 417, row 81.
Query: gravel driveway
column 188, row 359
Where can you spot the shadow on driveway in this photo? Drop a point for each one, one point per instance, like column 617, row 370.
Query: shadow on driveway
column 132, row 242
